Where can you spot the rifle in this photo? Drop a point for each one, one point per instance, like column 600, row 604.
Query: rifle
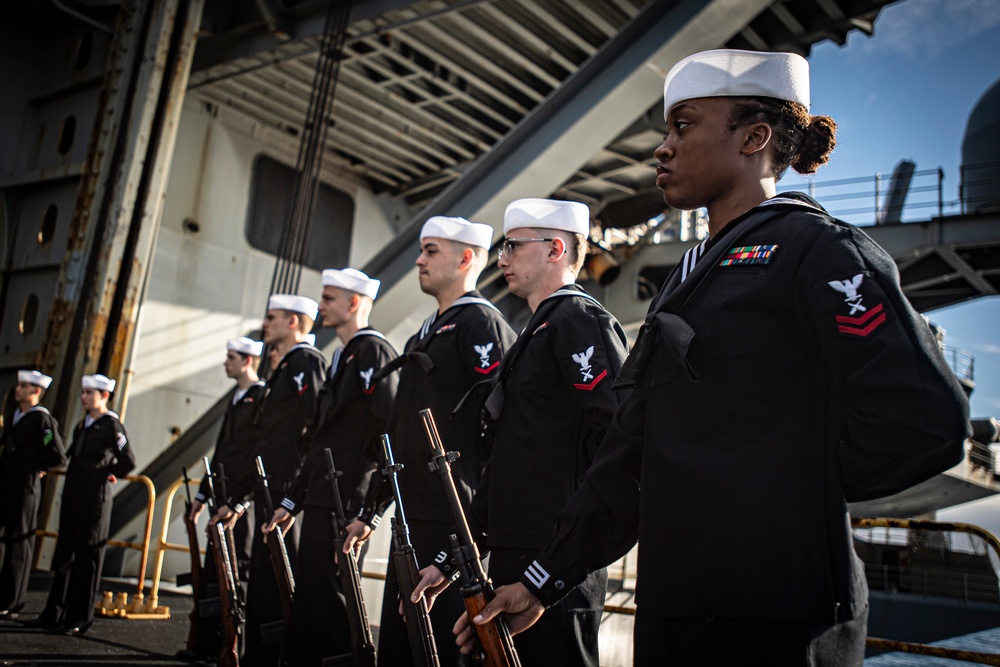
column 194, row 576
column 279, row 554
column 231, row 604
column 496, row 646
column 350, row 579
column 418, row 620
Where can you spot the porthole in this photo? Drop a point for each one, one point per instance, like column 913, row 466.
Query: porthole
column 66, row 134
column 48, row 226
column 83, row 52
column 29, row 315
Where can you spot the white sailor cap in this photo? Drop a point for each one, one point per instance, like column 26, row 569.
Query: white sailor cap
column 570, row 216
column 458, row 229
column 294, row 303
column 245, row 345
column 98, row 382
column 35, row 378
column 735, row 73
column 351, row 280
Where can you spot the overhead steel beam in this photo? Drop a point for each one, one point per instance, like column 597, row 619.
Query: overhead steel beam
column 257, row 39
column 606, row 95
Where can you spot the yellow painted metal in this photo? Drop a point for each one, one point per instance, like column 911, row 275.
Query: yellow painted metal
column 163, row 546
column 118, row 606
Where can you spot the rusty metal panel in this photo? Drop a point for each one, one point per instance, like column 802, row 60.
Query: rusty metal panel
column 26, row 309
column 41, row 224
column 62, row 125
column 130, row 147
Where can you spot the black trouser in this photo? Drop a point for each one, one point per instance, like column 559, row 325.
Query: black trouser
column 18, row 517
column 320, row 627
column 84, row 521
column 428, row 538
column 709, row 642
column 567, row 632
column 264, row 607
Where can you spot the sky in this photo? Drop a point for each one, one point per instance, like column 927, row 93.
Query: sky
column 906, row 93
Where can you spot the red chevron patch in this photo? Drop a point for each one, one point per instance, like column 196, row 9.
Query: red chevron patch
column 487, row 371
column 864, row 325
column 593, row 383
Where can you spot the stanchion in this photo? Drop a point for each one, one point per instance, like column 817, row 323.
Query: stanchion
column 140, row 608
column 163, row 546
column 113, row 605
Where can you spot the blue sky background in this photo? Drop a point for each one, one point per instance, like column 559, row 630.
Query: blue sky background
column 906, row 93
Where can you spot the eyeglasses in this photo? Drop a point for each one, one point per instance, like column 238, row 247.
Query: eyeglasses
column 508, row 246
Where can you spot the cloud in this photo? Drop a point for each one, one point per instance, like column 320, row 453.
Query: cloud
column 922, row 29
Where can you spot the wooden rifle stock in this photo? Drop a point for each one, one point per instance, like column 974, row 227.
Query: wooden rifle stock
column 195, row 575
column 496, row 646
column 404, row 559
column 230, row 594
column 350, row 578
column 231, row 614
column 278, row 552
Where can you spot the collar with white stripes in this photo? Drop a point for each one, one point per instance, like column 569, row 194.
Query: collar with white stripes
column 240, row 393
column 465, row 300
column 694, row 254
column 88, row 420
column 569, row 291
column 340, row 350
column 18, row 415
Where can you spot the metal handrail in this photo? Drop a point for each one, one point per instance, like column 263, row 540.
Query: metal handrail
column 888, row 644
column 941, row 526
column 162, row 546
column 141, row 547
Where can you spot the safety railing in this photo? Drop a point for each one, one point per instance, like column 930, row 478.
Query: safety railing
column 961, row 362
column 936, row 582
column 118, row 605
column 162, row 546
column 964, row 586
column 863, row 201
column 969, row 587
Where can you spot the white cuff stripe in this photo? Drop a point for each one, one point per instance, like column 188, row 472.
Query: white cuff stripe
column 375, row 521
column 536, row 574
column 288, row 504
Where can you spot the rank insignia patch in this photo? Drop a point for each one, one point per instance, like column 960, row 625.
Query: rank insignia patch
column 485, row 367
column 447, row 327
column 366, row 376
column 864, row 325
column 849, row 288
column 749, row 254
column 583, row 358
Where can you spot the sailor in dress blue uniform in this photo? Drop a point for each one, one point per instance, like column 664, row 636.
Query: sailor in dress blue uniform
column 552, row 405
column 353, row 412
column 30, row 445
column 780, row 374
column 458, row 346
column 99, row 455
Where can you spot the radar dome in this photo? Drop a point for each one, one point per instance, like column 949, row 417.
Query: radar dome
column 981, row 154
